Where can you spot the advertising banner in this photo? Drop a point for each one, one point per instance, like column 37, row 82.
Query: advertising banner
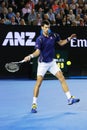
column 18, row 41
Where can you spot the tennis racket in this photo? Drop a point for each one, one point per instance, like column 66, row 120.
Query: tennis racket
column 13, row 66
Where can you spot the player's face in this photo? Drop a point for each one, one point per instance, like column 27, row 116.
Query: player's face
column 45, row 29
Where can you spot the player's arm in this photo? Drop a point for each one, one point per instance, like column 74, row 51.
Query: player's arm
column 65, row 41
column 34, row 54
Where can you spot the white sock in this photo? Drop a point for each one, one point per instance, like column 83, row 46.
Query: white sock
column 68, row 94
column 34, row 100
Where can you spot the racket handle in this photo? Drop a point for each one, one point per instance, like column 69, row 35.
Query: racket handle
column 22, row 61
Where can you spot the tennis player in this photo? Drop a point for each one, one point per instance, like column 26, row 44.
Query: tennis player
column 45, row 49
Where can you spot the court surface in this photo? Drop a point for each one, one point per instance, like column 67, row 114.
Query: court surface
column 53, row 111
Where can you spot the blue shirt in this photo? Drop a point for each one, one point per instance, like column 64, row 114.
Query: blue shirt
column 46, row 45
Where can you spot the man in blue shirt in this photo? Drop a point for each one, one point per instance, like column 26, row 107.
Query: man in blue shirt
column 45, row 49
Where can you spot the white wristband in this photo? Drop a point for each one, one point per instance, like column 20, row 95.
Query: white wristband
column 31, row 56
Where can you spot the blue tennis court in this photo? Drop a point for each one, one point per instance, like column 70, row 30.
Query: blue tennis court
column 53, row 111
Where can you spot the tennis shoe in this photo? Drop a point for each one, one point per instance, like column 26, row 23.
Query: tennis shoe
column 73, row 100
column 34, row 108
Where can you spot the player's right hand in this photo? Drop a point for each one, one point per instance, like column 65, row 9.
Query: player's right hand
column 27, row 58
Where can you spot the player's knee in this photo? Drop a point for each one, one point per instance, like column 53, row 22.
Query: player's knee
column 61, row 79
column 60, row 76
column 39, row 81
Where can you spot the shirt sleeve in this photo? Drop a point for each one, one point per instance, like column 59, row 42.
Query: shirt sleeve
column 38, row 43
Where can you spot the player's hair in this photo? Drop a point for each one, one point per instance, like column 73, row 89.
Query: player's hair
column 45, row 22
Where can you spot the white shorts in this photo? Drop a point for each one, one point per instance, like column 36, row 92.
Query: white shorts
column 43, row 67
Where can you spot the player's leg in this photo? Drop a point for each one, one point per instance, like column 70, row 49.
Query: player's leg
column 65, row 88
column 37, row 85
column 41, row 70
column 36, row 93
column 55, row 70
column 62, row 80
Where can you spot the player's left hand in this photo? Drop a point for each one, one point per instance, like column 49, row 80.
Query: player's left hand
column 73, row 36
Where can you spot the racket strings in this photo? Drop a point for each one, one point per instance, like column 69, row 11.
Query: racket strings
column 12, row 67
